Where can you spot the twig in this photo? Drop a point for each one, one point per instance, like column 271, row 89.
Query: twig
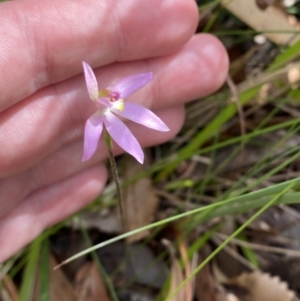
column 236, row 99
column 261, row 248
column 234, row 254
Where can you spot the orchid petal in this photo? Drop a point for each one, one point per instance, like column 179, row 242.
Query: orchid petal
column 141, row 115
column 92, row 132
column 103, row 103
column 129, row 85
column 123, row 137
column 91, row 82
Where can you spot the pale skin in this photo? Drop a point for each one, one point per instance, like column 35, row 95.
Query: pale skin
column 44, row 102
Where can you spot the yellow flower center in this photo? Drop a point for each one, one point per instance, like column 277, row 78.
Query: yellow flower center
column 114, row 98
column 119, row 104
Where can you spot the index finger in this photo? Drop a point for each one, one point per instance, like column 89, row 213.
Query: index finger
column 45, row 42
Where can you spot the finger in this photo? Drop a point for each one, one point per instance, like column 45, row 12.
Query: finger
column 47, row 207
column 49, row 39
column 67, row 162
column 55, row 116
column 198, row 69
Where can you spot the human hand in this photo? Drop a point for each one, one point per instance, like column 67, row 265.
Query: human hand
column 44, row 102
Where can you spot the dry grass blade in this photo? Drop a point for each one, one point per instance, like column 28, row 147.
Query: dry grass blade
column 177, row 275
column 271, row 76
column 235, row 98
column 188, row 271
column 234, row 254
column 10, row 288
column 4, row 295
column 261, row 248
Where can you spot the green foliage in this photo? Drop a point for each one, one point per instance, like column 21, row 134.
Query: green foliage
column 28, row 280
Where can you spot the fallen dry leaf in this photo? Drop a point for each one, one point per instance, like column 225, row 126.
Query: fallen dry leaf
column 139, row 198
column 60, row 286
column 293, row 77
column 89, row 284
column 207, row 288
column 262, row 286
column 272, row 19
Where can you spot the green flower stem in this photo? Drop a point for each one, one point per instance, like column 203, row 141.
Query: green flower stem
column 114, row 170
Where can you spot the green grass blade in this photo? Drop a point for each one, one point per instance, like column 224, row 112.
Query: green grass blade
column 45, row 272
column 222, row 245
column 233, row 205
column 285, row 57
column 29, row 274
column 248, row 253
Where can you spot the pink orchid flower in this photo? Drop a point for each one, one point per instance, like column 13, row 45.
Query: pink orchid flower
column 109, row 103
